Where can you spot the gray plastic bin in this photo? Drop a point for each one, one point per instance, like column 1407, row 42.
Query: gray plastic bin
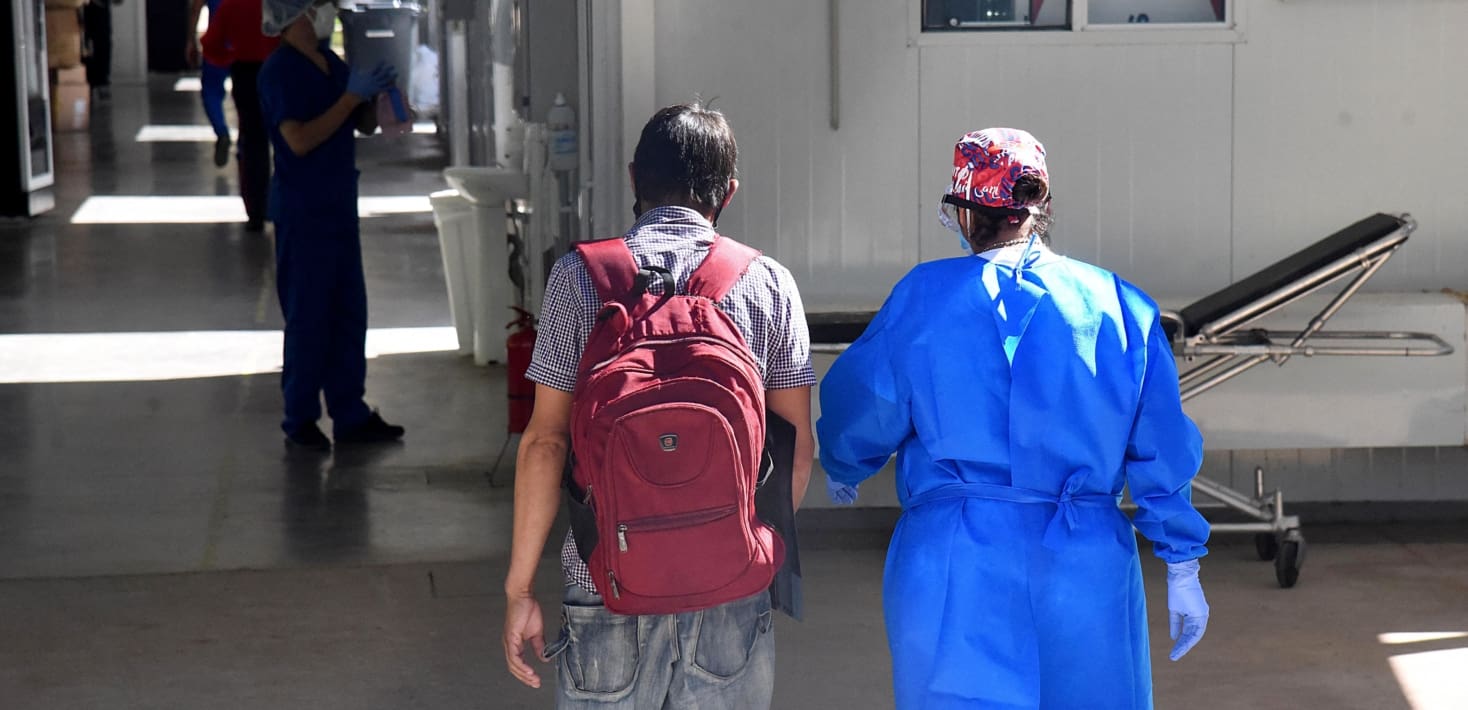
column 381, row 31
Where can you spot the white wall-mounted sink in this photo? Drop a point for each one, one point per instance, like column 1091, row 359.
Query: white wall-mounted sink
column 488, row 187
column 486, row 254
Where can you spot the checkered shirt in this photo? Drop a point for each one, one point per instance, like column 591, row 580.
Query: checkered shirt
column 764, row 305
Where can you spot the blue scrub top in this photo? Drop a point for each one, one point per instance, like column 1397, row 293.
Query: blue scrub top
column 321, row 186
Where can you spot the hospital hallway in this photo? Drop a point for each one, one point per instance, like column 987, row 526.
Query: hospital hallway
column 160, row 548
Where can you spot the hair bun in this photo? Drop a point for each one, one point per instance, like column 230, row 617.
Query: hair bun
column 1030, row 189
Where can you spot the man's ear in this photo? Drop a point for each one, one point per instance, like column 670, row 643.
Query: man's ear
column 729, row 194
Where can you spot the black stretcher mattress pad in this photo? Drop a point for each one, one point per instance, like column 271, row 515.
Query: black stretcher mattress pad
column 1291, row 269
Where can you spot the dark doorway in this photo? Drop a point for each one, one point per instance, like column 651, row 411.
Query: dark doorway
column 167, row 31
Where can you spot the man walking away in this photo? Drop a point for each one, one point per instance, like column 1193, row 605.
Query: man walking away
column 672, row 609
column 211, row 80
column 234, row 40
column 97, row 26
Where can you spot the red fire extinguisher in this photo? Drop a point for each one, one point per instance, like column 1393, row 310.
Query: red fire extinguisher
column 519, row 346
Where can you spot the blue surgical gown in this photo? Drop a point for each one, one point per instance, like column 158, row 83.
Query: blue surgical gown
column 1020, row 402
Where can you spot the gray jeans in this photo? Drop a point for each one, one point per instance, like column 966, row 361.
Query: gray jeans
column 717, row 659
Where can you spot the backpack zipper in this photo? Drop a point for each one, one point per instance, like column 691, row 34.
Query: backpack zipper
column 616, row 592
column 653, row 342
column 667, row 522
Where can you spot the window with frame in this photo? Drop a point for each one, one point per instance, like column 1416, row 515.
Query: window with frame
column 940, row 15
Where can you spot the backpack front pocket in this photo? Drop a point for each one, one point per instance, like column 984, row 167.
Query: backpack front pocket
column 694, row 552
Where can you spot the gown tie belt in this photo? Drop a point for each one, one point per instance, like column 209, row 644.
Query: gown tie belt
column 1067, row 503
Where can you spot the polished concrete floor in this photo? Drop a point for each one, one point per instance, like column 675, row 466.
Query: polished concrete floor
column 159, row 548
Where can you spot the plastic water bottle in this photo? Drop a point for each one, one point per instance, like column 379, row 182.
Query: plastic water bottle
column 399, row 109
column 561, row 124
column 392, row 113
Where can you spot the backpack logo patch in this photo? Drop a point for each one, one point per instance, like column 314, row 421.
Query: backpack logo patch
column 669, row 442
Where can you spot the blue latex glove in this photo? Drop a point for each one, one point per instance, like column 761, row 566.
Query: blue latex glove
column 368, row 84
column 840, row 493
column 1186, row 608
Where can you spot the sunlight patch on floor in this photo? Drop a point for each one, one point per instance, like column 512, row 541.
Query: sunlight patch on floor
column 214, row 209
column 183, row 355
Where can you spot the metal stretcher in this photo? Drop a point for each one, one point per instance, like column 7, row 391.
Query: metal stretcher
column 1214, row 343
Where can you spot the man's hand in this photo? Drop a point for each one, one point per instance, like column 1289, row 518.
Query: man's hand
column 191, row 53
column 537, row 496
column 523, row 623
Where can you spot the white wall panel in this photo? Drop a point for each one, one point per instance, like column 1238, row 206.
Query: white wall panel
column 605, row 196
column 551, row 45
column 833, row 206
column 1138, row 142
column 1347, row 108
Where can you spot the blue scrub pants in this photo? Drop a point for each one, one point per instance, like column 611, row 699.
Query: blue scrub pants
column 323, row 295
column 212, row 94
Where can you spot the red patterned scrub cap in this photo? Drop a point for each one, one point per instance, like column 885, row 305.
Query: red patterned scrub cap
column 986, row 165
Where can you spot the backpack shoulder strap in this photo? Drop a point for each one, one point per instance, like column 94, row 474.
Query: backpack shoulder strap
column 612, row 267
column 726, row 262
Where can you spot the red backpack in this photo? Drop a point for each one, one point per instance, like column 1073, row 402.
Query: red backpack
column 667, row 432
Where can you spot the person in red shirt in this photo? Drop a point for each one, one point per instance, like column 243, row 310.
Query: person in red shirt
column 235, row 40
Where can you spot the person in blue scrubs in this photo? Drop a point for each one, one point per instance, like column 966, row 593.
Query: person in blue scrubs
column 1022, row 391
column 211, row 81
column 312, row 103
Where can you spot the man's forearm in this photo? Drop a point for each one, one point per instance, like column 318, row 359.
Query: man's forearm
column 538, row 470
column 196, row 8
column 793, row 405
column 805, row 453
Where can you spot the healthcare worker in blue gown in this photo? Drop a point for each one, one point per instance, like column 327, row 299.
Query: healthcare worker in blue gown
column 1021, row 391
column 312, row 103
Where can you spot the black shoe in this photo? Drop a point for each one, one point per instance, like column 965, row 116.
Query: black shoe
column 308, row 437
column 255, row 225
column 372, row 431
column 221, row 151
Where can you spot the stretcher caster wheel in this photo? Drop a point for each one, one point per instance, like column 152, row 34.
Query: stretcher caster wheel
column 1267, row 545
column 1290, row 559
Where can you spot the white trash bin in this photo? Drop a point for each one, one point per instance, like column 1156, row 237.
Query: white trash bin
column 454, row 218
column 487, row 253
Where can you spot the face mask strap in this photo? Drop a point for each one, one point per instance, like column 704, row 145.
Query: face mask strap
column 957, row 201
